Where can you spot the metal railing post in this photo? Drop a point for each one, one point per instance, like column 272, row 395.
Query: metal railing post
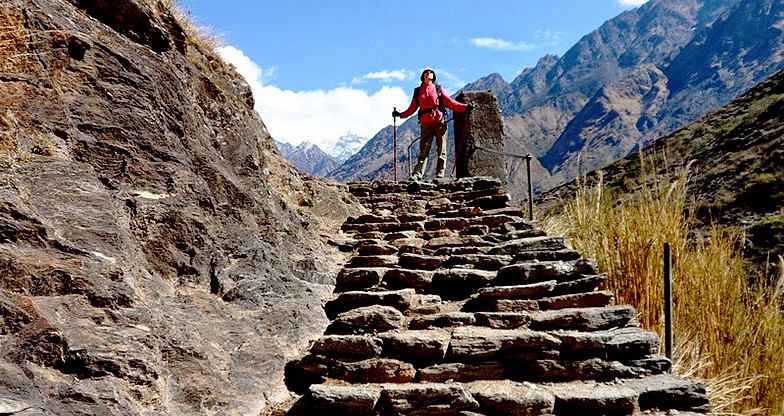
column 667, row 301
column 530, row 188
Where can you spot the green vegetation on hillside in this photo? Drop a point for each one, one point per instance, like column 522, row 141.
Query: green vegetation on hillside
column 728, row 331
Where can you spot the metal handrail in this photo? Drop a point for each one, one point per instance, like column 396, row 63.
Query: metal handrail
column 527, row 158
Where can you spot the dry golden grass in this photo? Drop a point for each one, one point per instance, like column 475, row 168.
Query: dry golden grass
column 727, row 332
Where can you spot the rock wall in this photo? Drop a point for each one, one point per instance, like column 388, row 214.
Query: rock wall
column 455, row 305
column 157, row 255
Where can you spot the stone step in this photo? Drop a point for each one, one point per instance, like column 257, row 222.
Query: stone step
column 546, row 243
column 471, row 344
column 530, row 291
column 546, row 255
column 442, row 320
column 584, row 319
column 538, row 271
column 578, row 300
column 461, row 241
column 346, row 301
column 365, row 262
column 420, row 261
column 478, row 261
column 670, row 395
column 454, row 304
column 425, row 346
column 585, row 283
column 357, row 346
column 457, row 283
column 375, row 248
column 360, row 278
column 368, row 319
column 407, row 278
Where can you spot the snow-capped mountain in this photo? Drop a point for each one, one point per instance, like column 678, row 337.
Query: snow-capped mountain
column 309, row 158
column 346, row 146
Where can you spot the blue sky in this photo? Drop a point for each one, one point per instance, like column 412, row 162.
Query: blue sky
column 320, row 69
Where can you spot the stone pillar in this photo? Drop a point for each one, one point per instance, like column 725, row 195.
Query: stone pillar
column 478, row 141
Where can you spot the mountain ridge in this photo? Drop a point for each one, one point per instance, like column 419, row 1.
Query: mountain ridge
column 541, row 104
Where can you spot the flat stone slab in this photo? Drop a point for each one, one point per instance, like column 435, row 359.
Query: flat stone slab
column 506, row 397
column 503, row 320
column 473, row 343
column 547, row 255
column 346, row 301
column 616, row 344
column 578, row 300
column 361, row 346
column 428, row 399
column 584, row 319
column 375, row 248
column 534, row 272
column 514, row 247
column 453, row 224
column 532, row 291
column 583, row 284
column 556, row 370
column 594, row 398
column 372, row 261
column 478, row 261
column 666, row 391
column 442, row 320
column 352, row 400
column 375, row 370
column 462, row 372
column 369, row 319
column 408, row 278
column 419, row 261
column 359, row 278
column 456, row 284
column 417, row 345
column 457, row 241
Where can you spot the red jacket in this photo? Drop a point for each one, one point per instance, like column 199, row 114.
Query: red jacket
column 428, row 100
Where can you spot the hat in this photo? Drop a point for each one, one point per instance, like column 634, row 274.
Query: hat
column 422, row 77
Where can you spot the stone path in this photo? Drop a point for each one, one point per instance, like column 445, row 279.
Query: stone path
column 453, row 304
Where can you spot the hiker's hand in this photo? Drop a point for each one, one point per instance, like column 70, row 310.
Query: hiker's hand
column 470, row 107
column 395, row 113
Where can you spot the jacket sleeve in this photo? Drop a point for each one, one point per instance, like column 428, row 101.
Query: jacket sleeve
column 452, row 104
column 411, row 108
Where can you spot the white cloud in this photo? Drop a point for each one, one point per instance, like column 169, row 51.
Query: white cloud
column 318, row 116
column 384, row 76
column 502, row 45
column 553, row 36
column 245, row 66
column 632, row 2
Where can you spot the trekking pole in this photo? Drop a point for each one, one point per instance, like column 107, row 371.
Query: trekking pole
column 394, row 141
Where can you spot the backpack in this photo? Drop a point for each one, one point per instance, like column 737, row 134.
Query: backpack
column 440, row 102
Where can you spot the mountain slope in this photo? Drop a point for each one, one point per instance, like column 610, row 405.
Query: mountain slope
column 308, row 158
column 735, row 157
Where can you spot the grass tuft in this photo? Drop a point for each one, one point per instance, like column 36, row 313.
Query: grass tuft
column 727, row 331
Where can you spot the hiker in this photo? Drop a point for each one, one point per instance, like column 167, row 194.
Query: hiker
column 432, row 102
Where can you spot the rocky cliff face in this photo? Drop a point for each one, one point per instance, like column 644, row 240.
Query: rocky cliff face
column 157, row 254
column 640, row 76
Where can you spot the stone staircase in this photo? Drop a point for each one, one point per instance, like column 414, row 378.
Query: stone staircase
column 455, row 305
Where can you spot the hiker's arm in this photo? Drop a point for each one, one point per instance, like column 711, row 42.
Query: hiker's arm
column 452, row 104
column 411, row 108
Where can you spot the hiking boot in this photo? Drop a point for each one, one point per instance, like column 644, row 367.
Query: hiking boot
column 416, row 177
